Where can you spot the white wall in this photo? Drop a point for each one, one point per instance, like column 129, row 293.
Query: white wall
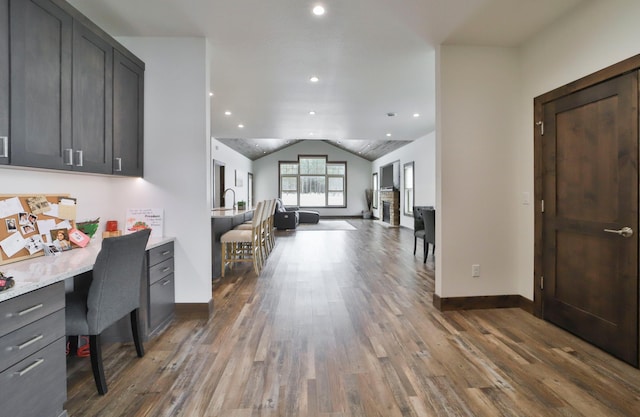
column 358, row 174
column 422, row 152
column 599, row 34
column 485, row 141
column 177, row 155
column 97, row 195
column 476, row 211
column 232, row 161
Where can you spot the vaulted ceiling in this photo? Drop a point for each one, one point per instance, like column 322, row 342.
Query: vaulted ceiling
column 375, row 61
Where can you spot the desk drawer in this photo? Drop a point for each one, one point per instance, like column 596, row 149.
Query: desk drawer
column 37, row 385
column 160, row 271
column 161, row 253
column 161, row 302
column 27, row 308
column 29, row 339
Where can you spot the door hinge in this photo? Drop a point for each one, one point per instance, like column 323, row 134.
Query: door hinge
column 542, row 206
column 541, row 124
column 542, row 283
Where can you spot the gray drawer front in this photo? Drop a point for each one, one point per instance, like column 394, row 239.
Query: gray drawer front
column 29, row 339
column 160, row 271
column 24, row 309
column 161, row 301
column 41, row 389
column 161, row 253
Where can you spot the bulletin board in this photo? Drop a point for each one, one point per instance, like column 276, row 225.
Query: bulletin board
column 30, row 222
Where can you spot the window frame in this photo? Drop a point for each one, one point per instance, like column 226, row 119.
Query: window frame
column 327, row 176
column 408, row 206
column 375, row 185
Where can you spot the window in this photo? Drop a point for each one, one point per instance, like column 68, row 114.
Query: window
column 408, row 189
column 375, row 191
column 313, row 182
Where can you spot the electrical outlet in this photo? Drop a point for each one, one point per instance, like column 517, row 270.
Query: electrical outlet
column 475, row 270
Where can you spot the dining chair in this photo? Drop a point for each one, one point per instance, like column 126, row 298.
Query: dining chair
column 424, row 228
column 113, row 293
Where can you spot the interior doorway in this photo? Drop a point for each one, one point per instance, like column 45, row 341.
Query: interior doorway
column 218, row 180
column 586, row 276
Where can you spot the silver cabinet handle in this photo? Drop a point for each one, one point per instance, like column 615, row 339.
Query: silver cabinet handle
column 69, row 155
column 30, row 342
column 30, row 309
column 4, row 150
column 80, row 159
column 165, row 269
column 624, row 232
column 165, row 282
column 165, row 253
column 29, row 368
column 118, row 164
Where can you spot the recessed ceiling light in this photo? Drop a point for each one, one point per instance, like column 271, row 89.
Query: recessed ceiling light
column 416, row 114
column 318, row 10
column 241, row 126
column 388, row 134
column 314, row 79
column 310, row 133
column 312, row 113
column 210, row 93
column 227, row 113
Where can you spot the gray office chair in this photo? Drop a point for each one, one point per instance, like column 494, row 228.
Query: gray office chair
column 113, row 293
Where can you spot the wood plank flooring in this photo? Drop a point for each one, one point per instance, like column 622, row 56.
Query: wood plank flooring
column 341, row 324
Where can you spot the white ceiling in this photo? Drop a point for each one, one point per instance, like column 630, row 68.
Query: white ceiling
column 372, row 57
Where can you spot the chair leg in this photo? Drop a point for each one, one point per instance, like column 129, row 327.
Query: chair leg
column 415, row 242
column 224, row 258
column 426, row 250
column 95, row 349
column 73, row 345
column 137, row 333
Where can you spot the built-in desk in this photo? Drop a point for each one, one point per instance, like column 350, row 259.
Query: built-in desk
column 223, row 220
column 32, row 327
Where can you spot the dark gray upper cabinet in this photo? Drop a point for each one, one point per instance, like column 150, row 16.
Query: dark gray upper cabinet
column 4, row 82
column 128, row 113
column 71, row 97
column 40, row 80
column 92, row 92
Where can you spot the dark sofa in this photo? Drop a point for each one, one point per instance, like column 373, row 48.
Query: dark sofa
column 289, row 217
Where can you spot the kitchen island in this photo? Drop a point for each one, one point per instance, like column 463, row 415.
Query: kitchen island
column 223, row 220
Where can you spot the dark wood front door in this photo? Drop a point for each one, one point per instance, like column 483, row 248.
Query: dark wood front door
column 590, row 193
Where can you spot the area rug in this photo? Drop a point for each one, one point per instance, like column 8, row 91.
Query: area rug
column 326, row 225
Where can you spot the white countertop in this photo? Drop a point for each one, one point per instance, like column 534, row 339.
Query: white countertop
column 228, row 212
column 41, row 271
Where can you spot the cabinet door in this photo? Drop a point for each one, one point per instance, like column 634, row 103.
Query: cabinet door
column 92, row 133
column 4, row 82
column 128, row 112
column 40, row 81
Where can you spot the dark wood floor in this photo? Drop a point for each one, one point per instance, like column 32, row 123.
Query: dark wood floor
column 341, row 324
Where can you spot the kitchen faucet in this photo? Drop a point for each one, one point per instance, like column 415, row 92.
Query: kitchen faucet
column 234, row 195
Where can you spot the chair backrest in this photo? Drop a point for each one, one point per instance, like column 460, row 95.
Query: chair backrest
column 429, row 217
column 418, row 221
column 117, row 275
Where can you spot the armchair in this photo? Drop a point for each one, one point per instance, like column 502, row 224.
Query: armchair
column 285, row 218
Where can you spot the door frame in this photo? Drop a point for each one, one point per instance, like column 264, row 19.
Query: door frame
column 623, row 67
